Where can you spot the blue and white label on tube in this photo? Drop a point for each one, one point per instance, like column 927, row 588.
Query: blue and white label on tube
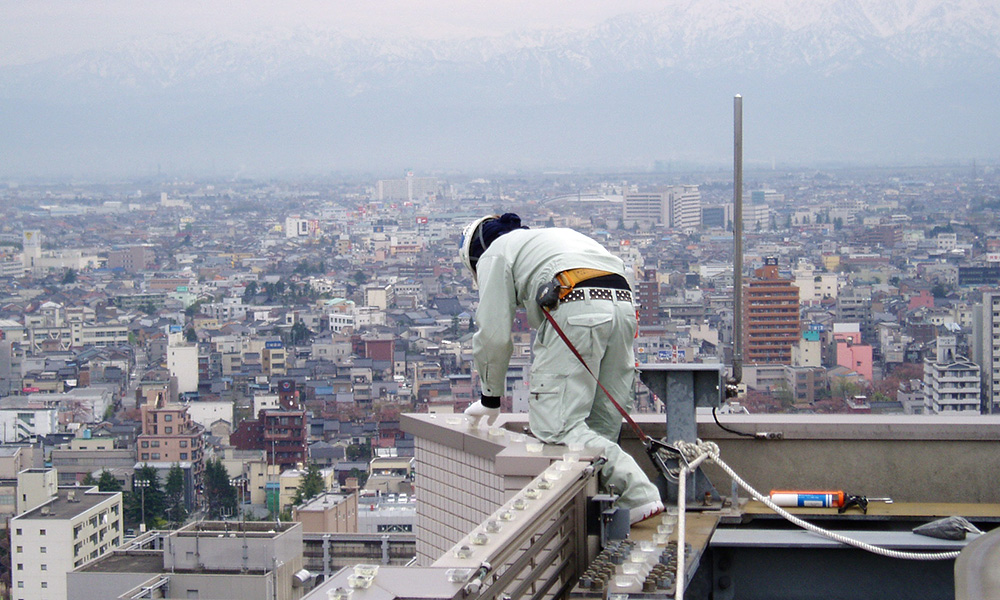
column 811, row 500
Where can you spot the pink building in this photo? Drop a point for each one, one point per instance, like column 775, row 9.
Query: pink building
column 922, row 300
column 856, row 357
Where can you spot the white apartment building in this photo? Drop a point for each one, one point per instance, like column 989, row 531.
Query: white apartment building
column 74, row 527
column 380, row 296
column 951, row 382
column 296, row 227
column 17, row 424
column 100, row 334
column 182, row 361
column 946, row 241
column 814, row 286
column 230, row 309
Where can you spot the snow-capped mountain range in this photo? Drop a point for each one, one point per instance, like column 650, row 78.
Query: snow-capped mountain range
column 906, row 76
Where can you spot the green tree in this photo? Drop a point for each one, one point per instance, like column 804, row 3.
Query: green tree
column 362, row 476
column 299, row 334
column 193, row 309
column 784, row 394
column 107, row 482
column 70, row 276
column 250, row 291
column 190, row 335
column 360, row 277
column 219, row 491
column 359, row 451
column 5, row 563
column 174, row 490
column 144, row 504
column 842, row 387
column 310, row 486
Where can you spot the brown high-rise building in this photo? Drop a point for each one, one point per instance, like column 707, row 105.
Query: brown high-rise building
column 282, row 433
column 647, row 292
column 770, row 317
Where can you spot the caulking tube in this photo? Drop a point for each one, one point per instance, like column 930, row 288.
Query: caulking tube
column 810, row 498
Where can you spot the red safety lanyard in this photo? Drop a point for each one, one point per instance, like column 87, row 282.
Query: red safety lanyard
column 635, row 426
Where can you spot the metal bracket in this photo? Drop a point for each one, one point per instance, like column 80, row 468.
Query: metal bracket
column 682, row 388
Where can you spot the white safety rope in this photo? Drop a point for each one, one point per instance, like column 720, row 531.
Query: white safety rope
column 695, row 453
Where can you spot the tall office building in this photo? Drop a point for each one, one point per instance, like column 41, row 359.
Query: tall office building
column 770, row 316
column 409, row 189
column 756, row 217
column 678, row 207
column 131, row 259
column 720, row 216
column 766, row 197
column 685, row 207
column 650, row 208
column 986, row 349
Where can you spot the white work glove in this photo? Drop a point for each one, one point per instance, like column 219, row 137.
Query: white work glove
column 477, row 411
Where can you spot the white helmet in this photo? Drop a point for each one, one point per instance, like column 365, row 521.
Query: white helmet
column 467, row 236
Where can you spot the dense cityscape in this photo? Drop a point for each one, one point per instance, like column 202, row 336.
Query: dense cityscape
column 244, row 349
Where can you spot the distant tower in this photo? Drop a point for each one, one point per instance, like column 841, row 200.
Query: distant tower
column 770, row 317
column 32, row 242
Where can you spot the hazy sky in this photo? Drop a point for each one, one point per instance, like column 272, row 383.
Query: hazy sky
column 36, row 30
column 826, row 80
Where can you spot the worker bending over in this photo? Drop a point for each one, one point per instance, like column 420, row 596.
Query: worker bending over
column 511, row 263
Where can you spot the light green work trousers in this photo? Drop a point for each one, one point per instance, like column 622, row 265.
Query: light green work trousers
column 566, row 404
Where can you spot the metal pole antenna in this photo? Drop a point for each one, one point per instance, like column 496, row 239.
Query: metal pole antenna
column 142, row 484
column 738, row 239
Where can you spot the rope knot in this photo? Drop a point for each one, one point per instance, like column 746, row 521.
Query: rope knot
column 690, row 451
